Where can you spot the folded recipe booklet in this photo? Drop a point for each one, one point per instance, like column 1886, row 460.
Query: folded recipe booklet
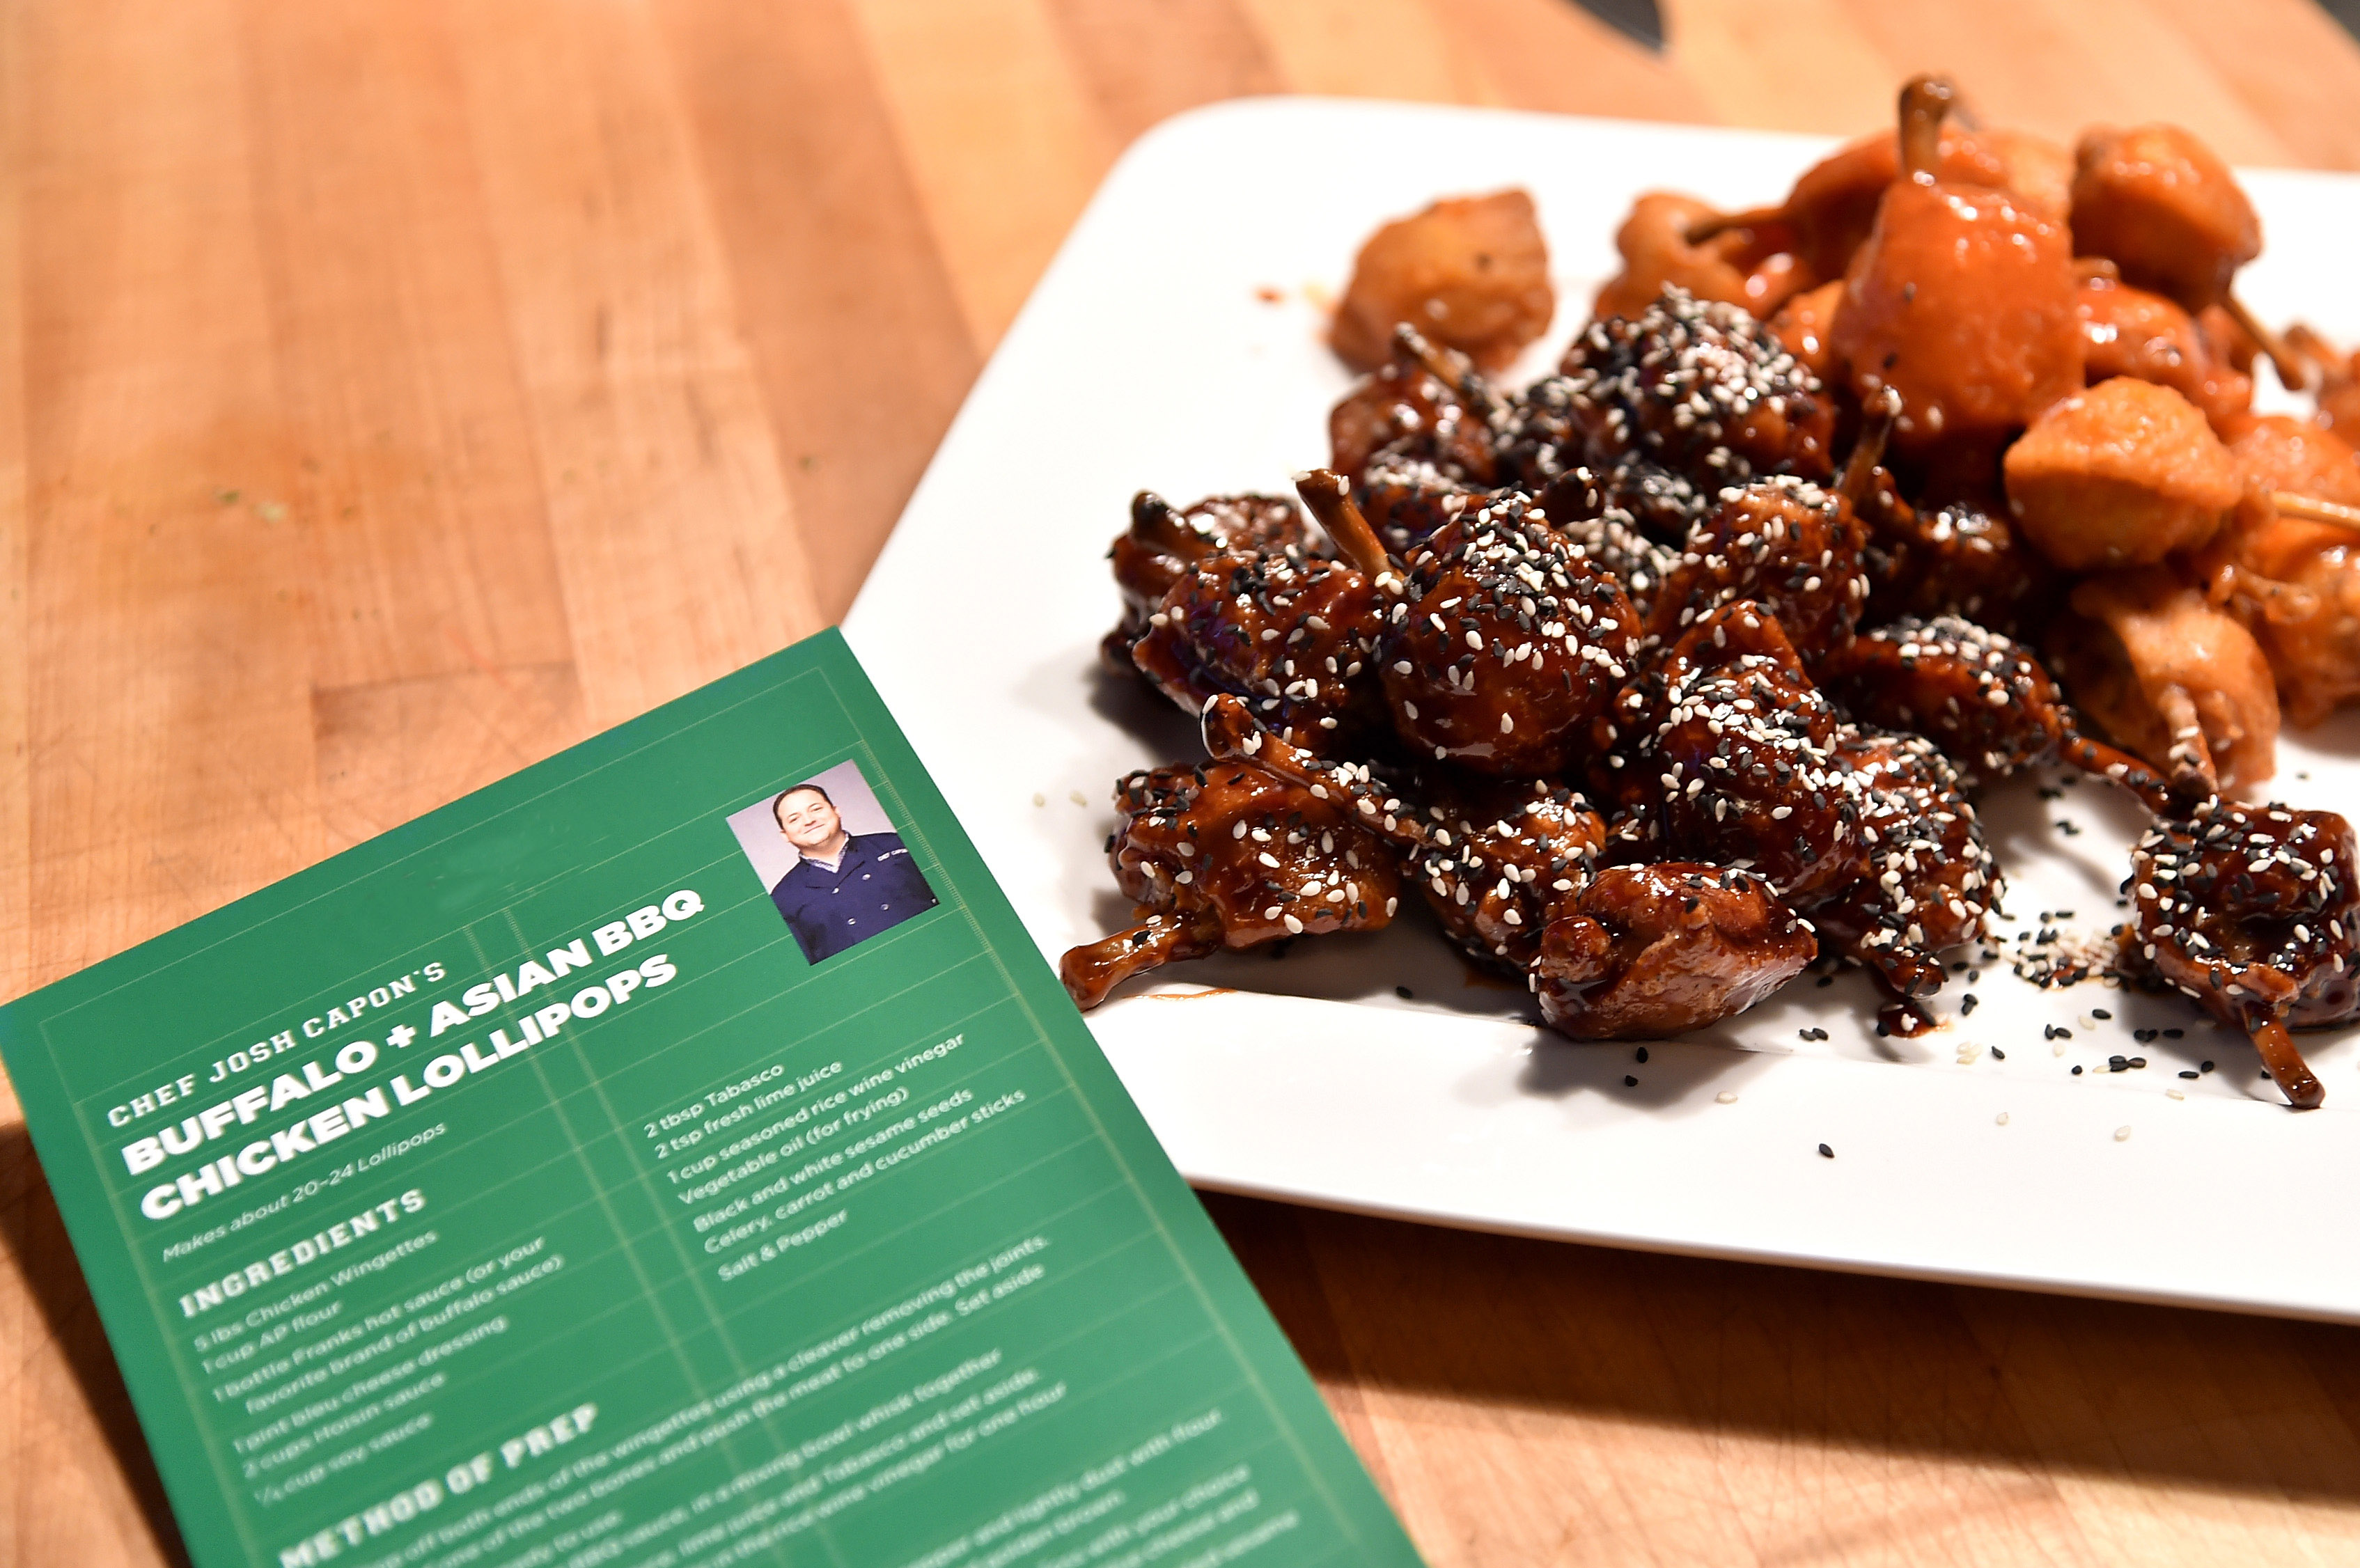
column 674, row 1155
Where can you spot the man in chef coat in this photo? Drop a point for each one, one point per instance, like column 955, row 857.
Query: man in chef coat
column 845, row 887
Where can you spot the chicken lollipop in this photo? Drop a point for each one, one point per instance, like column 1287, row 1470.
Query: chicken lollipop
column 1691, row 396
column 1417, row 437
column 1961, row 299
column 2122, row 474
column 1163, row 543
column 2289, row 565
column 1985, row 702
column 1753, row 268
column 1958, row 557
column 2131, row 332
column 1642, row 951
column 1229, row 854
column 1742, row 746
column 2251, row 911
column 1506, row 647
column 2164, row 208
column 1293, row 633
column 1787, row 545
column 2171, row 678
column 1926, row 878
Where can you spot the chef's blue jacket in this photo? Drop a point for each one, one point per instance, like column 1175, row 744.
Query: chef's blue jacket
column 875, row 886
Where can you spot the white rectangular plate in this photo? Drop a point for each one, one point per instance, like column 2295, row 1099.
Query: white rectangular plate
column 1176, row 344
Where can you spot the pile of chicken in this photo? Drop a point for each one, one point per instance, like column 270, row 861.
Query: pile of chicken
column 1655, row 703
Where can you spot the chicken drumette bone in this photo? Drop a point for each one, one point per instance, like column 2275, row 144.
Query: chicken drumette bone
column 1229, row 854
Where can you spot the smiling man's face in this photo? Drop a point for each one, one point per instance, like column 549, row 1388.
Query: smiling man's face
column 808, row 820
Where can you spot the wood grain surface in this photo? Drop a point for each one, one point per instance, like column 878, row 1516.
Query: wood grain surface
column 393, row 392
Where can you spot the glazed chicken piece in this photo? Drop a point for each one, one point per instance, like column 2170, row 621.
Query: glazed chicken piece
column 2251, row 911
column 1689, row 397
column 1832, row 207
column 1161, row 544
column 2173, row 678
column 1541, row 452
column 1417, row 437
column 1503, row 648
column 2132, row 332
column 1750, row 267
column 2122, row 475
column 1644, row 951
column 1985, row 702
column 1229, row 855
column 1293, row 634
column 1961, row 299
column 1471, row 272
column 1786, row 544
column 2294, row 580
column 2164, row 208
column 1622, row 952
column 1956, row 558
column 1740, row 744
column 1926, row 878
column 1491, row 857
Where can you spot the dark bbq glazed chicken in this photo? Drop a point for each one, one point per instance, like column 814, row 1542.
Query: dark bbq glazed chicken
column 1684, row 666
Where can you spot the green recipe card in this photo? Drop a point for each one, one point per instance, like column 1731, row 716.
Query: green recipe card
column 674, row 1155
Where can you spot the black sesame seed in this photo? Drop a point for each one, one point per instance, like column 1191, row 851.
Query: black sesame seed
column 1825, row 980
column 2191, row 1074
column 2174, row 1034
column 1642, row 1054
column 1967, row 1004
column 2077, row 1071
column 1826, row 1153
column 2100, row 1013
column 1403, row 991
column 2204, row 1067
column 1998, row 1055
column 1629, row 1082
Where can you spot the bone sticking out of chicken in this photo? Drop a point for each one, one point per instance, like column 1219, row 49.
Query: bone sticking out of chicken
column 1944, row 262
column 1229, row 854
column 2251, row 911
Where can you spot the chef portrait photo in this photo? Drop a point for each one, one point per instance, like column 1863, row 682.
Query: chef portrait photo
column 834, row 867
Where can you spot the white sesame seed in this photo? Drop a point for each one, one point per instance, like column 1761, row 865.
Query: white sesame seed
column 2122, row 1135
column 2000, row 1120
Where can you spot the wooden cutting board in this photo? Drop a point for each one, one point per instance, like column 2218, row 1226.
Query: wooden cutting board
column 393, row 392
